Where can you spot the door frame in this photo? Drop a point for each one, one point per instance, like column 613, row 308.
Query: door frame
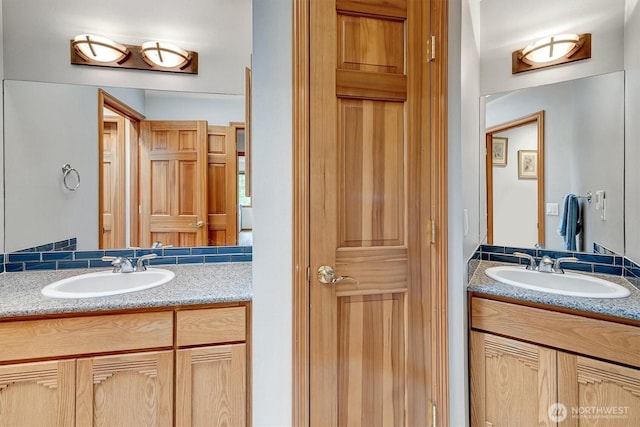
column 301, row 213
column 106, row 100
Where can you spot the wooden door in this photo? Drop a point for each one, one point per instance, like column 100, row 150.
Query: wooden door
column 373, row 331
column 222, row 186
column 211, row 386
column 602, row 393
column 113, row 183
column 512, row 383
column 125, row 390
column 49, row 384
column 173, row 183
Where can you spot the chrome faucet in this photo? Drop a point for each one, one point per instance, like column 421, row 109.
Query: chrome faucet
column 545, row 265
column 120, row 264
column 140, row 263
column 557, row 264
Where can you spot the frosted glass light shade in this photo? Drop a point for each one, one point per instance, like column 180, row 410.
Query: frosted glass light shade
column 551, row 48
column 164, row 55
column 99, row 49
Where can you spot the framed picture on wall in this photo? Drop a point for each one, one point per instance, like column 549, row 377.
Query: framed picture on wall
column 527, row 164
column 499, row 148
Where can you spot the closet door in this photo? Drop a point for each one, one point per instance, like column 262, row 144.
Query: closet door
column 373, row 324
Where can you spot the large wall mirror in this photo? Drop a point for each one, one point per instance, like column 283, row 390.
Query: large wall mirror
column 583, row 154
column 49, row 125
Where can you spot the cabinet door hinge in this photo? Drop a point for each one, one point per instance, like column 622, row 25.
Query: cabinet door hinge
column 431, row 49
column 308, row 275
column 433, row 414
column 433, row 230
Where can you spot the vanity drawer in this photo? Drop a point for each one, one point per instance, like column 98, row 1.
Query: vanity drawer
column 603, row 339
column 37, row 339
column 210, row 326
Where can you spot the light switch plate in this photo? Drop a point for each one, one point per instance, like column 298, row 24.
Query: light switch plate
column 552, row 209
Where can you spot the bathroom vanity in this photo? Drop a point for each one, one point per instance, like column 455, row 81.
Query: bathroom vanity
column 172, row 355
column 540, row 359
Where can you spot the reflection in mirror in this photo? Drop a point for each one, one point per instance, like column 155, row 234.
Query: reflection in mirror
column 583, row 152
column 515, row 182
column 48, row 125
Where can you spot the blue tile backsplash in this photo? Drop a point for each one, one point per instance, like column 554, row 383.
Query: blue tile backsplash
column 605, row 263
column 55, row 259
column 62, row 245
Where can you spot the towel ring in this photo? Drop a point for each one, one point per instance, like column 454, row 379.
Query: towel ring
column 66, row 171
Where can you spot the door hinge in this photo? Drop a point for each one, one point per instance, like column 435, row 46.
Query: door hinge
column 433, row 414
column 433, row 230
column 431, row 49
column 308, row 274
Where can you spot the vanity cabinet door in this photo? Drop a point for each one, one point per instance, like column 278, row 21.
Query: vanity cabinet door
column 211, row 386
column 512, row 383
column 596, row 393
column 125, row 390
column 37, row 394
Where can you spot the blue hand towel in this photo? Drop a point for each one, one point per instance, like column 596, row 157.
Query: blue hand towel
column 570, row 224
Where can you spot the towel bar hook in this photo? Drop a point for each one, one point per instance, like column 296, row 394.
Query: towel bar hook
column 587, row 196
column 68, row 171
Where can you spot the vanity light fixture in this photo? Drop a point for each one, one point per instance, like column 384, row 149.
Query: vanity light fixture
column 164, row 55
column 552, row 50
column 87, row 49
column 99, row 49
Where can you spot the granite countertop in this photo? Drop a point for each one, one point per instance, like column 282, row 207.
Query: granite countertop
column 626, row 308
column 193, row 284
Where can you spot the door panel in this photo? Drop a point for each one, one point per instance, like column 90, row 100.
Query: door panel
column 370, row 331
column 173, row 196
column 371, row 170
column 222, row 186
column 120, row 390
column 371, row 354
column 113, row 191
column 51, row 384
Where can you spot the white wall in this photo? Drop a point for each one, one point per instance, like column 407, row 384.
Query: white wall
column 470, row 129
column 500, row 37
column 598, row 153
column 39, row 209
column 515, row 200
column 272, row 205
column 2, row 204
column 216, row 109
column 632, row 130
column 462, row 194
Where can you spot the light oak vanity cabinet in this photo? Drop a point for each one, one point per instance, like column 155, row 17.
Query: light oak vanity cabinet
column 150, row 368
column 535, row 367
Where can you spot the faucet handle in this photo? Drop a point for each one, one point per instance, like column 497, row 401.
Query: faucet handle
column 532, row 260
column 558, row 261
column 120, row 264
column 140, row 263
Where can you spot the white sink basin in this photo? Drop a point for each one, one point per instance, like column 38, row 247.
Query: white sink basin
column 104, row 283
column 572, row 284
